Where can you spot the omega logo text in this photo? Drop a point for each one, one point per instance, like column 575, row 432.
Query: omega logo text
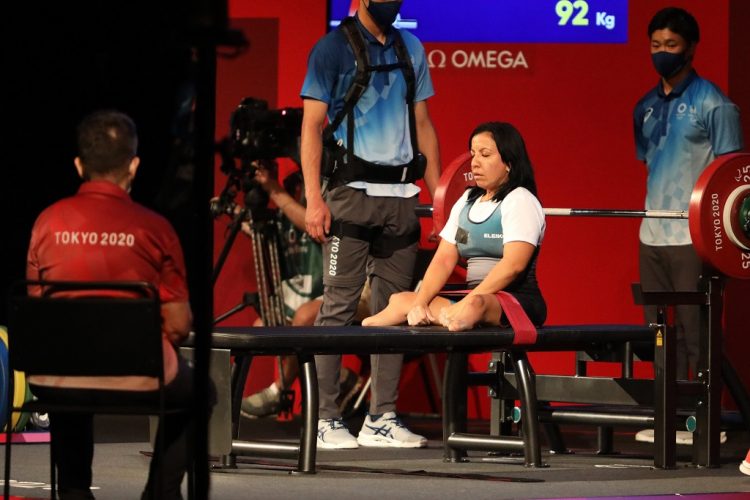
column 485, row 59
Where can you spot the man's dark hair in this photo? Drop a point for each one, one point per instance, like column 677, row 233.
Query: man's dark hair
column 677, row 20
column 512, row 149
column 107, row 141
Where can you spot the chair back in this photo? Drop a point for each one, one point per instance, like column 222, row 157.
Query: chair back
column 86, row 329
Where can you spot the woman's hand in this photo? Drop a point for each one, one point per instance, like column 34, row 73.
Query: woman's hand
column 420, row 314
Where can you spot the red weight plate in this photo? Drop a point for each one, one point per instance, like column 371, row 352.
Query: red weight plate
column 453, row 182
column 709, row 200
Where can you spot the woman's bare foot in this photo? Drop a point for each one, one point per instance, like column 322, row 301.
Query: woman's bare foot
column 385, row 317
column 394, row 313
column 468, row 317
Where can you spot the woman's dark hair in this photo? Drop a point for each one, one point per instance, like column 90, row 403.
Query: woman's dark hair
column 678, row 21
column 513, row 152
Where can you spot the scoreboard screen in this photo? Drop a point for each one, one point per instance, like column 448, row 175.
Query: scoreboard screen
column 507, row 21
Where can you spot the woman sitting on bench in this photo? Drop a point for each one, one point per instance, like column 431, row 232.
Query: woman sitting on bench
column 497, row 226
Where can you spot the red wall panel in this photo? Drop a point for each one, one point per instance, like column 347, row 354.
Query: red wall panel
column 573, row 104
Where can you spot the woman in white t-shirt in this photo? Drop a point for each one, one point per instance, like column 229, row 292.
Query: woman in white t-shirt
column 498, row 226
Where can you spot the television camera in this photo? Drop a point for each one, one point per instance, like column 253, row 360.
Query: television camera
column 258, row 136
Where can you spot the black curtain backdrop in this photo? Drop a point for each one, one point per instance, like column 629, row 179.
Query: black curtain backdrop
column 64, row 60
column 152, row 60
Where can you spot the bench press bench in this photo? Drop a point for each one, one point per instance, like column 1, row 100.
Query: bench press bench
column 246, row 342
column 718, row 180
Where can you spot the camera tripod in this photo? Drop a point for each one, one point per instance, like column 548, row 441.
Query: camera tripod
column 263, row 224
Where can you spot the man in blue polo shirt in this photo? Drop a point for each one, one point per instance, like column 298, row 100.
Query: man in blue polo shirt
column 375, row 147
column 680, row 127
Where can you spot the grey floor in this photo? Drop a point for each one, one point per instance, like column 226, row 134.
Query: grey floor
column 121, row 463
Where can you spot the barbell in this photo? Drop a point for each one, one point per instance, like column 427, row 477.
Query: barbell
column 718, row 214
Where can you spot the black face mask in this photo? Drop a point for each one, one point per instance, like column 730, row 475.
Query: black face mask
column 384, row 13
column 668, row 64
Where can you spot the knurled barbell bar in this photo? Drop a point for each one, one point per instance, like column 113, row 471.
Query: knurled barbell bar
column 608, row 212
column 718, row 214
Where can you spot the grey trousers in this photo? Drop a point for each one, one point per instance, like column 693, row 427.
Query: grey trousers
column 675, row 268
column 347, row 263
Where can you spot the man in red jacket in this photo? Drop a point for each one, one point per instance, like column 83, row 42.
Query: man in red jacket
column 100, row 234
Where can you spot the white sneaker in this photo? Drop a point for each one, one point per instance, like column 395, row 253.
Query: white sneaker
column 388, row 432
column 745, row 465
column 262, row 404
column 333, row 435
column 681, row 437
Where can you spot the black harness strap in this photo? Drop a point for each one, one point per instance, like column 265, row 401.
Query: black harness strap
column 384, row 246
column 411, row 82
column 381, row 246
column 356, row 168
column 359, row 84
column 347, row 229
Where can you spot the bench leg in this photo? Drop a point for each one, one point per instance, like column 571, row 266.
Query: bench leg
column 240, row 369
column 605, row 440
column 309, row 389
column 454, row 403
column 665, row 404
column 530, row 422
column 706, row 444
column 555, row 439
